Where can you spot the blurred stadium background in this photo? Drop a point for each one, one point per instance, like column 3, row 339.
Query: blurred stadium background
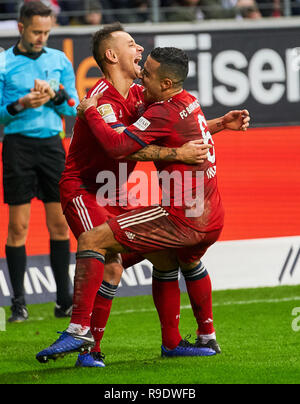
column 235, row 62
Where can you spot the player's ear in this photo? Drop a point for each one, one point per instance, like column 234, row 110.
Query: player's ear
column 111, row 56
column 166, row 84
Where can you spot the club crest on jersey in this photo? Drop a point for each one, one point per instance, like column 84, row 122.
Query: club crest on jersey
column 142, row 123
column 107, row 113
column 140, row 106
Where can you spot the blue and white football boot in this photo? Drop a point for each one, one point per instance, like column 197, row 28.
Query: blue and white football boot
column 67, row 343
column 212, row 344
column 185, row 348
column 91, row 360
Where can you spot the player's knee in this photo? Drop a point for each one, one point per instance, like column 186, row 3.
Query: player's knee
column 189, row 266
column 59, row 232
column 112, row 258
column 58, row 229
column 97, row 239
column 17, row 232
column 113, row 273
column 88, row 241
column 84, row 241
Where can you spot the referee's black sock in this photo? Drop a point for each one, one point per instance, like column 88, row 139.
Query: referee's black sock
column 16, row 263
column 60, row 260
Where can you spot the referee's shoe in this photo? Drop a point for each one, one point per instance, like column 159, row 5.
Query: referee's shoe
column 19, row 312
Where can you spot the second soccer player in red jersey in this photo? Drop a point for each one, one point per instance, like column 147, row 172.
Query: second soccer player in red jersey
column 154, row 228
column 122, row 104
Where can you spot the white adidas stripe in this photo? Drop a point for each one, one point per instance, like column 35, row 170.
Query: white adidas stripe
column 86, row 212
column 144, row 220
column 200, row 270
column 142, row 217
column 100, row 88
column 96, row 89
column 139, row 216
column 107, row 291
column 83, row 213
column 125, row 219
column 165, row 275
column 80, row 215
column 103, row 89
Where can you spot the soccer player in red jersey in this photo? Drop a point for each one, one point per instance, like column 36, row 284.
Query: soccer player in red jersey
column 197, row 279
column 122, row 104
column 155, row 228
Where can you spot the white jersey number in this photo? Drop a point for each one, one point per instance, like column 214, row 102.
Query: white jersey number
column 207, row 138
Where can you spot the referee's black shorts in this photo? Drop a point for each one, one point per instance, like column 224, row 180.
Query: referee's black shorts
column 31, row 168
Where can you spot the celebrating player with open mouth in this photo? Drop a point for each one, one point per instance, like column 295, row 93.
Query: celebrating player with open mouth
column 90, row 269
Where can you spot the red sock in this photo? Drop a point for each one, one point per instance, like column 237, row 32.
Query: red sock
column 199, row 289
column 88, row 278
column 101, row 312
column 166, row 297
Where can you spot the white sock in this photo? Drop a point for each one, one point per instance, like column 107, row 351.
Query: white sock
column 77, row 329
column 207, row 337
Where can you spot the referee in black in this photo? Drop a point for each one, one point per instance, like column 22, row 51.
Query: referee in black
column 37, row 87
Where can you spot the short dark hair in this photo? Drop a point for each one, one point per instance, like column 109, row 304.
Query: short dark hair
column 100, row 36
column 174, row 63
column 32, row 8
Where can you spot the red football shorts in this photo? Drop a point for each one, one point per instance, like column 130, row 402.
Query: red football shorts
column 83, row 213
column 151, row 229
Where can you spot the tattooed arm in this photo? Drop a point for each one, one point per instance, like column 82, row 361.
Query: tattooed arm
column 233, row 120
column 119, row 146
column 193, row 152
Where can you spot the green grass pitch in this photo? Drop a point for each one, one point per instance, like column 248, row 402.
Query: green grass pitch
column 256, row 329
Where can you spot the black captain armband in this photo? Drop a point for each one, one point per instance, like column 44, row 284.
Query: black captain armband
column 15, row 107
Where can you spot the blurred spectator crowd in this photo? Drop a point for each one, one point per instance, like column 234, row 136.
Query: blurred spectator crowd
column 95, row 12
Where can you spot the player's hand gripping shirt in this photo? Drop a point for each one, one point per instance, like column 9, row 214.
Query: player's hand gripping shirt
column 189, row 192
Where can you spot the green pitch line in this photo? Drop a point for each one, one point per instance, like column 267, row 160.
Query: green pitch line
column 258, row 331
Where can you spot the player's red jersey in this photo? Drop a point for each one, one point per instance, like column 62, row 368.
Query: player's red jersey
column 192, row 195
column 86, row 158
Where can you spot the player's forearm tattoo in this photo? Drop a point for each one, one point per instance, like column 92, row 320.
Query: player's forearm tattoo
column 154, row 153
column 215, row 125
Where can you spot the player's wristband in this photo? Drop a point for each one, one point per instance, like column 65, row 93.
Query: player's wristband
column 15, row 107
